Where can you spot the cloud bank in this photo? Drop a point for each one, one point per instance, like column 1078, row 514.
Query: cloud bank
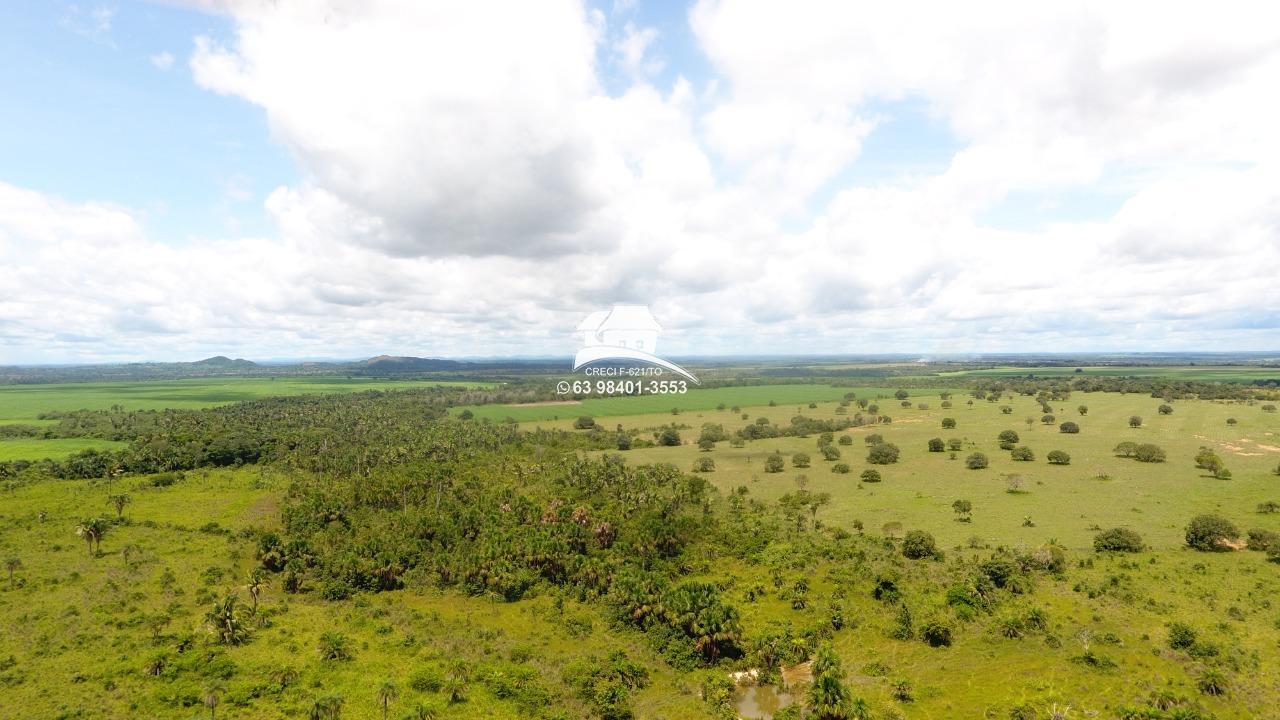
column 473, row 185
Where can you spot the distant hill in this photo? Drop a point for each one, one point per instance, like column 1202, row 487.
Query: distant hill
column 223, row 362
column 384, row 364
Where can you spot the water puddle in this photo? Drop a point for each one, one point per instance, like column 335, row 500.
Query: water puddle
column 760, row 702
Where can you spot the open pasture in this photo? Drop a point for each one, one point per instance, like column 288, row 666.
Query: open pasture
column 1066, row 503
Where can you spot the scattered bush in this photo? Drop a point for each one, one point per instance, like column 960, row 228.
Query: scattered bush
column 1165, row 410
column 1208, row 532
column 800, row 460
column 1181, row 636
column 976, row 461
column 1118, row 540
column 918, row 545
column 870, row 476
column 1022, row 454
column 1069, row 427
column 883, row 454
column 1135, row 421
column 1058, row 457
column 704, row 465
column 840, row 468
column 774, row 463
column 584, row 422
column 948, row 423
column 936, row 445
column 1146, row 452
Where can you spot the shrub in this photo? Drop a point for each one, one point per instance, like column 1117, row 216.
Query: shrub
column 703, row 465
column 1268, row 408
column 883, row 454
column 1231, row 421
column 1023, row 454
column 874, row 439
column 976, row 461
column 584, row 422
column 334, row 646
column 800, row 460
column 1269, row 507
column 948, row 423
column 845, row 440
column 1126, row 449
column 669, row 437
column 829, row 453
column 1181, row 636
column 840, row 468
column 1069, row 427
column 1165, row 410
column 774, row 463
column 1146, row 452
column 1135, row 421
column 1058, row 457
column 954, row 444
column 918, row 545
column 1083, row 409
column 1118, row 540
column 936, row 445
column 936, row 633
column 870, row 476
column 1008, row 436
column 1264, row 540
column 1207, row 532
column 1048, row 419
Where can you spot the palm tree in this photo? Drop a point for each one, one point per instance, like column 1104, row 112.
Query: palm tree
column 256, row 581
column 12, row 564
column 227, row 620
column 386, row 693
column 212, row 696
column 328, row 707
column 92, row 530
column 829, row 698
column 119, row 501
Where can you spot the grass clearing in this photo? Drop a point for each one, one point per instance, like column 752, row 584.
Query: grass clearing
column 24, row 403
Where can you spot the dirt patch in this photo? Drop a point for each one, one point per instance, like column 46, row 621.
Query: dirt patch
column 1234, row 544
column 1245, row 454
column 1268, row 448
column 1232, row 448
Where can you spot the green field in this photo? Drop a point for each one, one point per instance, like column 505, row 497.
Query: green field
column 917, row 491
column 54, row 448
column 22, row 403
column 695, row 399
column 83, row 630
column 125, row 632
column 1206, row 373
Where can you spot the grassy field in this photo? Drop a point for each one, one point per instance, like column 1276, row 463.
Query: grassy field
column 1206, row 373
column 1064, row 502
column 81, row 630
column 81, row 635
column 695, row 399
column 22, row 403
column 54, row 449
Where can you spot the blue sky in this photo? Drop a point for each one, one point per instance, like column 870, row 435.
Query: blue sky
column 339, row 179
column 92, row 112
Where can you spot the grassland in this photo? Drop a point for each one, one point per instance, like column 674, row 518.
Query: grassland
column 1206, row 373
column 82, row 630
column 53, row 448
column 1065, row 502
column 78, row 633
column 23, row 403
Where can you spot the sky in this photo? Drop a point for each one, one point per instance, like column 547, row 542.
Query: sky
column 347, row 178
